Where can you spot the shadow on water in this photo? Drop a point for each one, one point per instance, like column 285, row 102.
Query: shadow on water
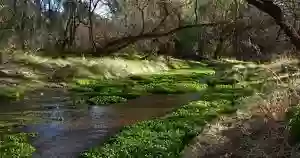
column 65, row 131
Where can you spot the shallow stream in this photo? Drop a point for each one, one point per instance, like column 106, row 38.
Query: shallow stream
column 65, row 131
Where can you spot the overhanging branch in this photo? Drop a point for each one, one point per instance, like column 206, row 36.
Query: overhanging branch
column 132, row 39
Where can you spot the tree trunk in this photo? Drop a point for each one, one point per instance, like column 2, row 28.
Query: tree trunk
column 236, row 30
column 64, row 41
column 91, row 31
column 219, row 48
column 276, row 13
column 23, row 25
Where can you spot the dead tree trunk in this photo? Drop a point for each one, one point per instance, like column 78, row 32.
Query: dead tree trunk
column 276, row 13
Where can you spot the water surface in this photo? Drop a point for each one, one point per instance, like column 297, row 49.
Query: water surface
column 65, row 131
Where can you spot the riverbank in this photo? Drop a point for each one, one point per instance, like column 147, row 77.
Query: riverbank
column 23, row 72
column 166, row 83
column 42, row 68
column 167, row 136
column 267, row 126
column 101, row 92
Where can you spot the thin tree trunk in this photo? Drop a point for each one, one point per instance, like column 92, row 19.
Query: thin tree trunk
column 39, row 16
column 236, row 34
column 201, row 43
column 219, row 48
column 22, row 25
column 72, row 32
column 91, row 25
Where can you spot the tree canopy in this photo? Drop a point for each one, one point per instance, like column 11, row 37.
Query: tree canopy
column 240, row 28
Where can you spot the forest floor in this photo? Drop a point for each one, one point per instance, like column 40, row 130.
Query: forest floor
column 233, row 94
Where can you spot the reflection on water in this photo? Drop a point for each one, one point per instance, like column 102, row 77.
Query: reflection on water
column 65, row 131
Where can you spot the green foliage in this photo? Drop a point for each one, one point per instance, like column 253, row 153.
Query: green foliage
column 119, row 90
column 164, row 137
column 7, row 93
column 293, row 118
column 172, row 82
column 167, row 136
column 15, row 146
column 101, row 100
column 225, row 93
column 119, row 65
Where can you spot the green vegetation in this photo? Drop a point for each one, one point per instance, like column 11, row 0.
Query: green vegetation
column 167, row 136
column 13, row 93
column 293, row 118
column 119, row 90
column 15, row 146
column 127, row 50
column 162, row 137
column 31, row 71
column 90, row 67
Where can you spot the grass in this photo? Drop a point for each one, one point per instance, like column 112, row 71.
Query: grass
column 39, row 71
column 268, row 127
column 90, row 67
column 167, row 136
column 99, row 92
column 160, row 138
column 106, row 82
column 107, row 71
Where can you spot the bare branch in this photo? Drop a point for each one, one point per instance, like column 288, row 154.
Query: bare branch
column 133, row 39
column 276, row 13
